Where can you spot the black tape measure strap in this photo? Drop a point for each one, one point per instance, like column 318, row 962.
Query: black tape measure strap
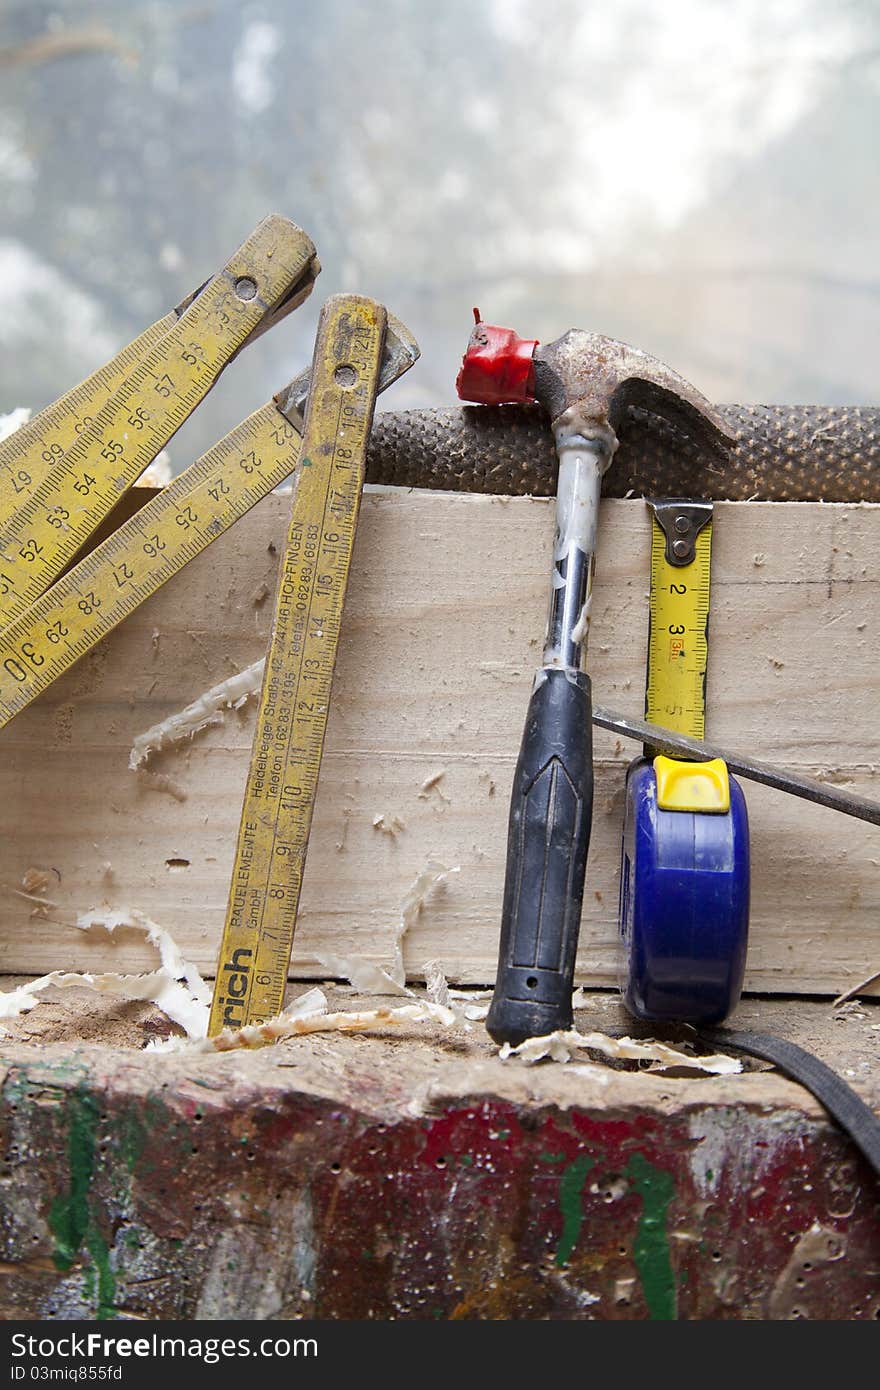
column 839, row 1099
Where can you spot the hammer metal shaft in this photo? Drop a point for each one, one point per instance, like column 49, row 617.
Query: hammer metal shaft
column 582, row 463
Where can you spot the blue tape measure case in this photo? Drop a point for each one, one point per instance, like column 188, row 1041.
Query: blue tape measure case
column 684, row 905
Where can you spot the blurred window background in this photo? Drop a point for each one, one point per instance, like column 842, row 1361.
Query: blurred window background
column 698, row 177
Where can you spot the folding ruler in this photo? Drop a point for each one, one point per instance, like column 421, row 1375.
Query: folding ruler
column 61, row 475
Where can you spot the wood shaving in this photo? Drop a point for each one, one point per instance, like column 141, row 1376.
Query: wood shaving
column 476, row 1012
column 158, row 473
column 208, row 709
column 177, row 988
column 472, row 1003
column 286, row 1025
column 42, row 905
column 366, row 977
column 170, row 955
column 414, row 900
column 870, row 985
column 562, row 1046
column 432, row 784
column 389, row 825
column 436, row 986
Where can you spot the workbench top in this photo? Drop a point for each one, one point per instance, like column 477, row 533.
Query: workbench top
column 417, row 1174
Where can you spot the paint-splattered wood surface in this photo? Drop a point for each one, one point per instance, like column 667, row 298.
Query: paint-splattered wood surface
column 442, row 630
column 419, row 1176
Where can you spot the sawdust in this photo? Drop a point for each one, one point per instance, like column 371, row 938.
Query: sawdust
column 35, row 881
column 78, row 1015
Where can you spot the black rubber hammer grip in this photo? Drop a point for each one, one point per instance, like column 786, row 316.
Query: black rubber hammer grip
column 551, row 812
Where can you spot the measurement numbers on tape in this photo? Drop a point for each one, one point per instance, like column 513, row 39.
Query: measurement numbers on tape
column 678, row 648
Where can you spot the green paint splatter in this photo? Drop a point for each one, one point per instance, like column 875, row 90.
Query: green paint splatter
column 70, row 1218
column 651, row 1250
column 551, row 1158
column 570, row 1186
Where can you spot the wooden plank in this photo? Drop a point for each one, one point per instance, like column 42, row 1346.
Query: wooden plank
column 443, row 628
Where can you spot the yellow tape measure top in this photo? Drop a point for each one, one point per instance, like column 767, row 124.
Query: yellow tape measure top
column 294, row 704
column 678, row 636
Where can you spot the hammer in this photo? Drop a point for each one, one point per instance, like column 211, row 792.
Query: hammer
column 585, row 383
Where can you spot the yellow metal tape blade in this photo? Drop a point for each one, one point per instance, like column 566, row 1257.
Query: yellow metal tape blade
column 678, row 638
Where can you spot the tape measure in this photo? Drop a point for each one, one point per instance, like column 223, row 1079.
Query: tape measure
column 294, row 703
column 678, row 646
column 64, row 475
column 684, row 882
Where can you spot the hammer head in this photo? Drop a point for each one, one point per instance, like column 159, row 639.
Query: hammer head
column 586, row 383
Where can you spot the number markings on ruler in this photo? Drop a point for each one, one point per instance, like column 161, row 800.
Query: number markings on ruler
column 294, row 702
column 678, row 636
column 146, row 551
column 30, row 451
column 58, row 512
